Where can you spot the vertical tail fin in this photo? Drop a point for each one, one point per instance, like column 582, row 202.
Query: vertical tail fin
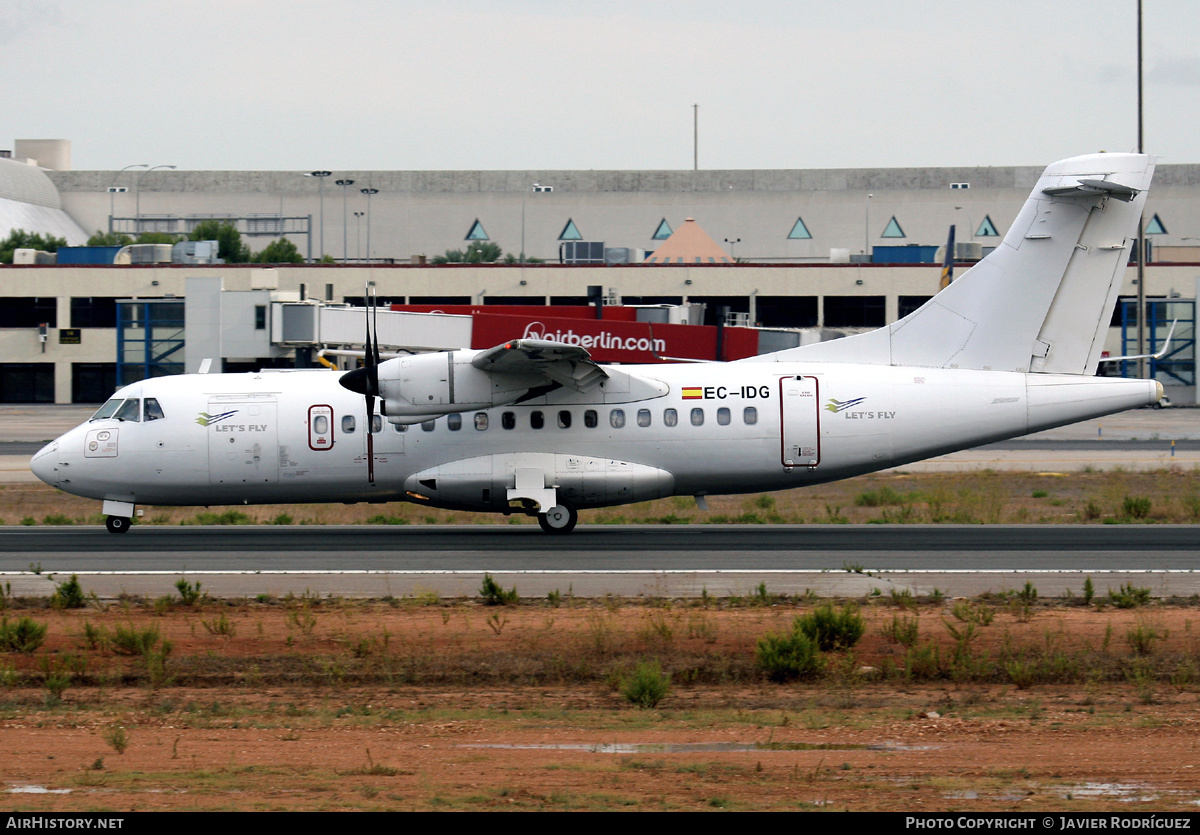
column 948, row 262
column 1042, row 300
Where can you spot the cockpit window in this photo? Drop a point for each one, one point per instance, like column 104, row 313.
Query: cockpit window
column 107, row 410
column 131, row 409
column 153, row 411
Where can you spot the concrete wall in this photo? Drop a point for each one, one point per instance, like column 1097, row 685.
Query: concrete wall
column 475, row 283
column 428, row 212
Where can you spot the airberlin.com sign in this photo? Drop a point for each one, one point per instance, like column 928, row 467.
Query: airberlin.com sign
column 604, row 339
column 615, row 341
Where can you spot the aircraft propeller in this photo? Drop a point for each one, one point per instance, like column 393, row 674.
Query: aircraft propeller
column 365, row 380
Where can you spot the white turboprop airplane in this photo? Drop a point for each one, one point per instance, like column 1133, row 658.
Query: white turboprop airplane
column 537, row 427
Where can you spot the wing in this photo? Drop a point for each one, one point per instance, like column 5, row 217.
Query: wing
column 567, row 365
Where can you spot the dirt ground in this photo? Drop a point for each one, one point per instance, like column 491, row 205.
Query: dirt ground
column 995, row 704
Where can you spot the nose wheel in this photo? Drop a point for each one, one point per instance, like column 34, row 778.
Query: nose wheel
column 559, row 519
column 117, row 524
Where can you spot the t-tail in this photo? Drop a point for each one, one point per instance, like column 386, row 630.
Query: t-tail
column 1042, row 300
column 1039, row 305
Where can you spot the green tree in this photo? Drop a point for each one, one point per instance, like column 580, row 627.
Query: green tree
column 20, row 239
column 121, row 239
column 109, row 239
column 281, row 251
column 510, row 258
column 477, row 252
column 228, row 238
column 158, row 238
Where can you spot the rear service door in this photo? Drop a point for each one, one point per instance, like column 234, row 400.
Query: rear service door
column 800, row 422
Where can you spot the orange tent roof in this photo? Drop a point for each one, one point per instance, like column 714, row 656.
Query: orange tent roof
column 689, row 244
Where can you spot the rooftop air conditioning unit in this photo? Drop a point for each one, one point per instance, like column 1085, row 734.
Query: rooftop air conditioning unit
column 968, row 250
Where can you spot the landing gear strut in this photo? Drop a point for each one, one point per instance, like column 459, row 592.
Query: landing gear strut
column 117, row 524
column 559, row 519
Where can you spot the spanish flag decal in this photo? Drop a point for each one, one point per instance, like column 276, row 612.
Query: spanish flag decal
column 692, row 393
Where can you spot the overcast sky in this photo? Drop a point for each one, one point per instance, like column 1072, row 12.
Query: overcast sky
column 595, row 84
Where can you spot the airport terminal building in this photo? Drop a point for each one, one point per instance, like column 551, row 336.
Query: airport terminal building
column 824, row 251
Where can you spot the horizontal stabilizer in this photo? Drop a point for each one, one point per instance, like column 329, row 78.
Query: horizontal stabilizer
column 1090, row 185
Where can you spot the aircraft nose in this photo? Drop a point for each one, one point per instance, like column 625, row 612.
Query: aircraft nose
column 44, row 463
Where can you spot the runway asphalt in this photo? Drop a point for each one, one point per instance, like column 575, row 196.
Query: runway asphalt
column 624, row 560
column 450, row 561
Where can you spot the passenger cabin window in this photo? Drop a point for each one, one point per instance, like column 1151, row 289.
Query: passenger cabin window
column 750, row 415
column 348, row 424
column 131, row 409
column 616, row 418
column 454, row 422
column 481, row 421
column 697, row 417
column 508, row 420
column 670, row 417
column 537, row 420
column 427, row 426
column 723, row 416
column 153, row 411
column 320, row 424
column 564, row 419
column 590, row 419
column 376, row 424
column 643, row 417
column 399, row 427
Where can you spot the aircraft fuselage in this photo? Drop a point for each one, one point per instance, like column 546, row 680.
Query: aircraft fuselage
column 279, row 437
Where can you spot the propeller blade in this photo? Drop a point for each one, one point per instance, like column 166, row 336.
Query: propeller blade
column 371, row 377
column 370, row 439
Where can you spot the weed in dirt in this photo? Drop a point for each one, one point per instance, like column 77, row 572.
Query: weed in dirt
column 832, row 629
column 494, row 594
column 129, row 640
column 220, row 625
column 1142, row 637
column 69, row 594
column 787, row 657
column 117, row 738
column 189, row 593
column 24, row 636
column 902, row 630
column 1129, row 596
column 647, row 685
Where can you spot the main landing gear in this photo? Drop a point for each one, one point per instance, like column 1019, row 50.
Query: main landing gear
column 559, row 519
column 117, row 524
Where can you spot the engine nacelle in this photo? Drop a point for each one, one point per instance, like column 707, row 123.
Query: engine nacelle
column 425, row 386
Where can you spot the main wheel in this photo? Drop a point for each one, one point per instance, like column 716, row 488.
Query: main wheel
column 117, row 524
column 559, row 519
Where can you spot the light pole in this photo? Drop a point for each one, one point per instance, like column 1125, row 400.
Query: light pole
column 345, row 184
column 368, row 192
column 732, row 243
column 320, row 175
column 358, row 235
column 867, row 231
column 1141, row 229
column 138, row 189
column 537, row 188
column 970, row 223
column 114, row 189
